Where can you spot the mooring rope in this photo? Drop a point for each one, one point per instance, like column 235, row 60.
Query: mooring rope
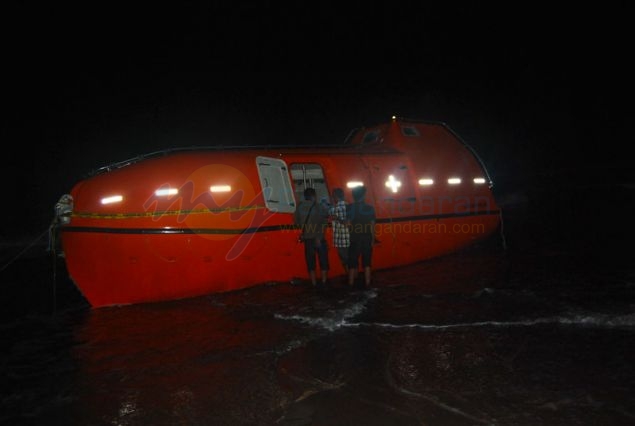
column 25, row 250
column 502, row 229
column 51, row 249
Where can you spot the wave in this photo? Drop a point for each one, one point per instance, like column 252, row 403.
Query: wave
column 593, row 320
column 335, row 318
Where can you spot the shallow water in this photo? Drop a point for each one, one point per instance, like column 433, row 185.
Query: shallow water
column 541, row 332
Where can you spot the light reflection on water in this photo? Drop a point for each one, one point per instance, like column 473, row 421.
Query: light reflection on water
column 475, row 338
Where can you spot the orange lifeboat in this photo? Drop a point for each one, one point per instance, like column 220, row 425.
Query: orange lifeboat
column 189, row 222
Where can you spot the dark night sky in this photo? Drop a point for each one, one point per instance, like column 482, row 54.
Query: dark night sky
column 534, row 89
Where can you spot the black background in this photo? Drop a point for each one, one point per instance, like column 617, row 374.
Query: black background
column 541, row 92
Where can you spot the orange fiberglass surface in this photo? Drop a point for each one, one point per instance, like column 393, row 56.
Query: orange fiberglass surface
column 189, row 222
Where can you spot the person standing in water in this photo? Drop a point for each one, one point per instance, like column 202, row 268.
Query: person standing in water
column 361, row 221
column 341, row 234
column 311, row 217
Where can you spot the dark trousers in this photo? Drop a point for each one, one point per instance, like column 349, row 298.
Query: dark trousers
column 362, row 246
column 311, row 250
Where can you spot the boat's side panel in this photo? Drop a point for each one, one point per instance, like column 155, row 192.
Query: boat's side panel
column 413, row 225
column 129, row 268
column 152, row 247
column 148, row 247
column 121, row 268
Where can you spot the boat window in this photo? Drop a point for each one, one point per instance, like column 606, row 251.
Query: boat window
column 308, row 175
column 276, row 185
column 370, row 137
column 409, row 131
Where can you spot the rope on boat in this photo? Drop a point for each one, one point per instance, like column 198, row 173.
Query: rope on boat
column 63, row 212
column 52, row 245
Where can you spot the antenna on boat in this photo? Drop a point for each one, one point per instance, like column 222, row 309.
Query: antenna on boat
column 350, row 135
column 502, row 229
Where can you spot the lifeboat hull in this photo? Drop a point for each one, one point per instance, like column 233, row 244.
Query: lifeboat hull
column 192, row 223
